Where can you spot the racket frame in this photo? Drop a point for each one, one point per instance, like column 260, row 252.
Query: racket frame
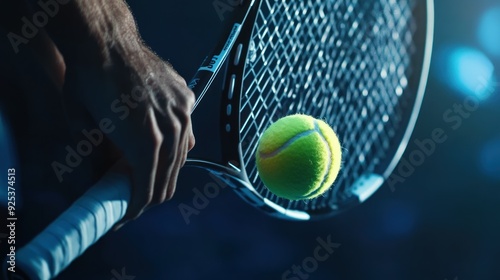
column 232, row 169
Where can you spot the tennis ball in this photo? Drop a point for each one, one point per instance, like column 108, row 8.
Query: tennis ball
column 298, row 157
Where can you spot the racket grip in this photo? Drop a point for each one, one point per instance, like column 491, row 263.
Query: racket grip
column 80, row 226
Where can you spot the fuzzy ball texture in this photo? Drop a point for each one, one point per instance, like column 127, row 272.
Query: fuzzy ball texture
column 298, row 157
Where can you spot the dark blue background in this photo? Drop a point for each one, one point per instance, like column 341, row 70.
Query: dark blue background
column 441, row 223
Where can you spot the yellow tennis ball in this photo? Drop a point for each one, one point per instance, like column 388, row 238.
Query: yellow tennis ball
column 298, row 157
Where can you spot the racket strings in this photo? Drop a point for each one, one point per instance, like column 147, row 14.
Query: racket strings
column 347, row 62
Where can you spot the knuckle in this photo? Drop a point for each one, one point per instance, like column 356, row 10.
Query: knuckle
column 176, row 126
column 157, row 140
column 182, row 81
column 152, row 143
column 191, row 98
column 184, row 119
column 183, row 114
column 192, row 143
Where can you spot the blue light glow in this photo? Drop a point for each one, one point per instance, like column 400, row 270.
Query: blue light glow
column 488, row 31
column 489, row 159
column 468, row 71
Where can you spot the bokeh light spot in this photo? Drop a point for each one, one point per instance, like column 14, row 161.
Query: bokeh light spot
column 488, row 31
column 467, row 71
column 489, row 159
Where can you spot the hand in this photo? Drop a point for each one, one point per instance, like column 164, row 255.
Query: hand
column 144, row 102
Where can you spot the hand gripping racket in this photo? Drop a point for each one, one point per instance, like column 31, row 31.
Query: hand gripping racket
column 359, row 65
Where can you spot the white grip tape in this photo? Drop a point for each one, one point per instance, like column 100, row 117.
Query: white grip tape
column 80, row 226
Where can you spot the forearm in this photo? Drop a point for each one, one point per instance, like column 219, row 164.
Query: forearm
column 90, row 26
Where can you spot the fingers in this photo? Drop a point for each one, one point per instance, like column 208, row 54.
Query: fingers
column 177, row 123
column 192, row 139
column 167, row 165
column 180, row 158
column 143, row 161
column 156, row 168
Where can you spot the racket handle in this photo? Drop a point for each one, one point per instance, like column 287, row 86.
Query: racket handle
column 80, row 226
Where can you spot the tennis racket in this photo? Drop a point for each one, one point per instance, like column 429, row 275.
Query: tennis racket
column 361, row 66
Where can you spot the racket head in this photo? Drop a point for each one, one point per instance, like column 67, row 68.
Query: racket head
column 361, row 66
